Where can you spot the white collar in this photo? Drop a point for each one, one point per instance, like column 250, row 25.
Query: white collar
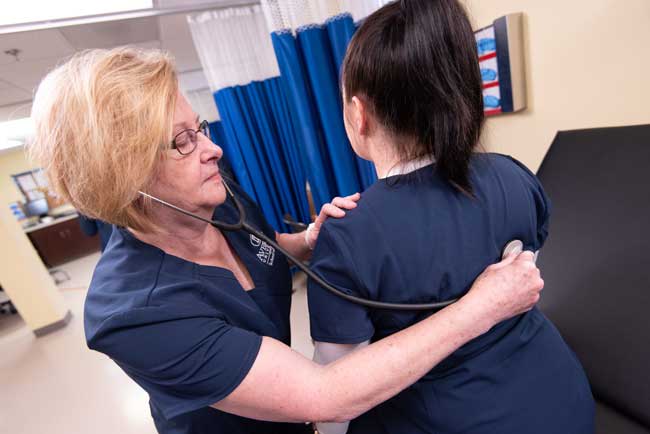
column 409, row 166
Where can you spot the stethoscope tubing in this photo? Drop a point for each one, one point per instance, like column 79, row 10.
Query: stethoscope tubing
column 243, row 225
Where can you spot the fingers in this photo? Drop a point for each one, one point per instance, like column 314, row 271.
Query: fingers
column 332, row 210
column 336, row 208
column 504, row 262
column 526, row 256
column 523, row 257
column 533, row 281
column 526, row 263
column 345, row 202
column 328, row 210
column 513, row 285
column 355, row 197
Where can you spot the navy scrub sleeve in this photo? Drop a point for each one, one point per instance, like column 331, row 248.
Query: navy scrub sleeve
column 186, row 333
column 415, row 239
column 91, row 226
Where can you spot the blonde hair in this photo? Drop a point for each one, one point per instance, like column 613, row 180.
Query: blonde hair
column 103, row 119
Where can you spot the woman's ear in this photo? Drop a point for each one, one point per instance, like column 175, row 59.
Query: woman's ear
column 359, row 117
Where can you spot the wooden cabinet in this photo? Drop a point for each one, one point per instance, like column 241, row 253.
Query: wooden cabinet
column 62, row 241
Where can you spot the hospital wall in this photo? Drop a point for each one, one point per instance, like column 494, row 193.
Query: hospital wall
column 22, row 274
column 587, row 66
column 11, row 162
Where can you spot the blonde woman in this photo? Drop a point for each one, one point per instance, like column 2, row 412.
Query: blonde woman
column 195, row 316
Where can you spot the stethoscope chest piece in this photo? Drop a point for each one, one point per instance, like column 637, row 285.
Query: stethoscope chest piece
column 514, row 246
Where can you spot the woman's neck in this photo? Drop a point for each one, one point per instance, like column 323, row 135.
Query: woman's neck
column 383, row 155
column 185, row 237
column 384, row 165
column 195, row 241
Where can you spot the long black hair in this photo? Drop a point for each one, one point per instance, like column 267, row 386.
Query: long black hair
column 415, row 63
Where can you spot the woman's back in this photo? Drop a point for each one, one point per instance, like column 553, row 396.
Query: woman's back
column 418, row 232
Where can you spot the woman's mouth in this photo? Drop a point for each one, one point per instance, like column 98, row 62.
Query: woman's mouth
column 214, row 177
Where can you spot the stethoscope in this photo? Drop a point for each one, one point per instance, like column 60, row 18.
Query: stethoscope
column 515, row 245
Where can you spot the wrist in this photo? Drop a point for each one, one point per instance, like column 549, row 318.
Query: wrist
column 308, row 243
column 476, row 315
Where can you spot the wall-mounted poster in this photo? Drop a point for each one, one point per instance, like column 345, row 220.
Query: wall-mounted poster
column 501, row 57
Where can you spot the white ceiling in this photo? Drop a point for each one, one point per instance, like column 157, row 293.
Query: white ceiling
column 42, row 50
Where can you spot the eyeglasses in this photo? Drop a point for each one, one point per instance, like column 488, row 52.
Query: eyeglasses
column 186, row 141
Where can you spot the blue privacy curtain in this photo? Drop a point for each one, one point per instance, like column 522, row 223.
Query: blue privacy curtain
column 261, row 149
column 310, row 63
column 256, row 132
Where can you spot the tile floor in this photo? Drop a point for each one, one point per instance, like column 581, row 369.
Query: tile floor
column 56, row 385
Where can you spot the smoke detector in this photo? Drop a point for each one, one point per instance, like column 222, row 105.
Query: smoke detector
column 15, row 52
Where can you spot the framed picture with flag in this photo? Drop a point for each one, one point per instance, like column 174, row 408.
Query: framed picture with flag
column 501, row 58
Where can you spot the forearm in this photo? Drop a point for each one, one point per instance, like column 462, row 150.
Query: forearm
column 284, row 386
column 294, row 244
column 365, row 378
column 325, row 353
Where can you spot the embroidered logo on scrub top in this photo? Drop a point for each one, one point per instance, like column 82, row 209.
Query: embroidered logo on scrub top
column 266, row 254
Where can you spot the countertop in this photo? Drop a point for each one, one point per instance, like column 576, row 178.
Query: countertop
column 57, row 220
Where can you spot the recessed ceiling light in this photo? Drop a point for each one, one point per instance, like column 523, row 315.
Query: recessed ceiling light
column 32, row 11
column 10, row 144
column 16, row 133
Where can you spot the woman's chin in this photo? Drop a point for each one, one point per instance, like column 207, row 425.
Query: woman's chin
column 217, row 194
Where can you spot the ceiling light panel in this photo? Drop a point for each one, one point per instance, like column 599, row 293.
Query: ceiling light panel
column 31, row 11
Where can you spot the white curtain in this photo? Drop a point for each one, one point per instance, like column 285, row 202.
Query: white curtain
column 282, row 15
column 234, row 46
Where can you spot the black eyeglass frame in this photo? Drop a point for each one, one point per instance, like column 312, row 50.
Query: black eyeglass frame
column 204, row 128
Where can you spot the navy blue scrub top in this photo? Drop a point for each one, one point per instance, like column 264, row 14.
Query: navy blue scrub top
column 414, row 238
column 91, row 226
column 186, row 333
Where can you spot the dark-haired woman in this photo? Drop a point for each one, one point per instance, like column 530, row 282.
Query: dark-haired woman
column 437, row 216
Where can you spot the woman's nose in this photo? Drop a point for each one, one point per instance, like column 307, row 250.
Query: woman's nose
column 209, row 150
